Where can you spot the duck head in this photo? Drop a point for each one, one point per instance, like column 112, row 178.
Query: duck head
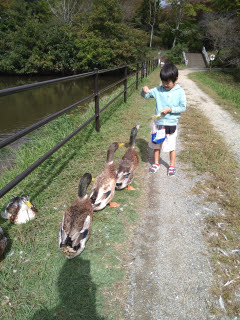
column 83, row 184
column 24, row 199
column 112, row 148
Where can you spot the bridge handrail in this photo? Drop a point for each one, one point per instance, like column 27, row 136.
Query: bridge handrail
column 206, row 57
column 185, row 58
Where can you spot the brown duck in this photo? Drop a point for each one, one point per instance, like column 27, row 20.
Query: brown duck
column 104, row 185
column 76, row 224
column 20, row 210
column 128, row 164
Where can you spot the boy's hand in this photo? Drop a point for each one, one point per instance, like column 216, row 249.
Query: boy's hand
column 166, row 110
column 145, row 89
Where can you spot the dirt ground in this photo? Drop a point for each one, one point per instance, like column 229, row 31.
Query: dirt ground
column 170, row 275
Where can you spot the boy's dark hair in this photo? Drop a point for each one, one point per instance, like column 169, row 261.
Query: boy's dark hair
column 169, row 72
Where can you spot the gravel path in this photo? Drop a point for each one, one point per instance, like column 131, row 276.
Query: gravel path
column 220, row 119
column 170, row 274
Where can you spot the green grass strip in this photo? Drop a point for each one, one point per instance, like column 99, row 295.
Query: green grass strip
column 222, row 86
column 38, row 280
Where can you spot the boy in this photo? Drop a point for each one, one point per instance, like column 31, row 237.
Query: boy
column 170, row 103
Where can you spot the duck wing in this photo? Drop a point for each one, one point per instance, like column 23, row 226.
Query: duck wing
column 3, row 242
column 104, row 187
column 103, row 191
column 127, row 166
column 12, row 209
column 75, row 229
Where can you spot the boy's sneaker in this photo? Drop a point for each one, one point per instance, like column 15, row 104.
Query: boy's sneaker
column 171, row 171
column 154, row 168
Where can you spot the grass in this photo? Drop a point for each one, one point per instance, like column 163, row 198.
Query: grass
column 223, row 87
column 36, row 280
column 219, row 183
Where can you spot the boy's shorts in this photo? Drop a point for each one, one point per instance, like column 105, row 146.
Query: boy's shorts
column 169, row 144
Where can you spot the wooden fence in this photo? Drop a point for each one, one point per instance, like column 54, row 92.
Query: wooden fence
column 143, row 68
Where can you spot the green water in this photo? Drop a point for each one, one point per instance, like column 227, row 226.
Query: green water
column 23, row 109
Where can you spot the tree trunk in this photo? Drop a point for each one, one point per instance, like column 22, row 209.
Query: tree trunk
column 176, row 30
column 152, row 17
column 151, row 36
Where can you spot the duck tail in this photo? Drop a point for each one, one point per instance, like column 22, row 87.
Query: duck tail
column 133, row 135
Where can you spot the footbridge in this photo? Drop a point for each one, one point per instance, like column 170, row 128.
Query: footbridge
column 196, row 60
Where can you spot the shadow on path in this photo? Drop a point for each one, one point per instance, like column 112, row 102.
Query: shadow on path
column 77, row 294
column 143, row 147
column 151, row 159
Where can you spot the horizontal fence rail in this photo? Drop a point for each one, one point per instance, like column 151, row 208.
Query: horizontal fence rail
column 36, row 125
column 5, row 92
column 36, row 164
column 145, row 69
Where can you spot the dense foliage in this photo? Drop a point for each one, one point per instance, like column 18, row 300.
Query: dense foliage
column 72, row 36
column 43, row 37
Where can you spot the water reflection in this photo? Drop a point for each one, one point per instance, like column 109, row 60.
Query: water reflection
column 22, row 109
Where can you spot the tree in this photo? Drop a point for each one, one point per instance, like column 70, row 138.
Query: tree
column 182, row 11
column 153, row 10
column 65, row 10
column 221, row 30
column 227, row 6
column 147, row 17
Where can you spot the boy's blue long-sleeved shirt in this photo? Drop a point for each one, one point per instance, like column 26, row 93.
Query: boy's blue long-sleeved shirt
column 174, row 99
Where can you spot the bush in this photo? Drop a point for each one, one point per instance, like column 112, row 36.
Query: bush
column 175, row 54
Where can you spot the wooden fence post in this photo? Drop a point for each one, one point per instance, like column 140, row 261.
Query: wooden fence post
column 125, row 83
column 96, row 99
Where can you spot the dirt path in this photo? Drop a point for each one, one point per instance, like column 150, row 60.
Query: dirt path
column 170, row 274
column 220, row 119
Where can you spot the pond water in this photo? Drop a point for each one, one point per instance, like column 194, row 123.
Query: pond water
column 23, row 109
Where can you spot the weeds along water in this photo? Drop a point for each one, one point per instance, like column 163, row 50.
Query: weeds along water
column 36, row 280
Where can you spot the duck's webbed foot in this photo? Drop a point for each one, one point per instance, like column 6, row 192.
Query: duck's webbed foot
column 114, row 204
column 130, row 188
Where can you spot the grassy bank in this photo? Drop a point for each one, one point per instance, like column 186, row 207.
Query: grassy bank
column 223, row 87
column 36, row 280
column 219, row 184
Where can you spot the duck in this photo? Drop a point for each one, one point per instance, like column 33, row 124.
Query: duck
column 104, row 185
column 128, row 164
column 75, row 228
column 3, row 242
column 20, row 210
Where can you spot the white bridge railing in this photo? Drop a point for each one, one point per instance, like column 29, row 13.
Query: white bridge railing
column 185, row 58
column 206, row 57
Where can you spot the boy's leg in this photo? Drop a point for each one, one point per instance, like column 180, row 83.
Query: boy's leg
column 156, row 156
column 172, row 158
column 171, row 169
column 155, row 166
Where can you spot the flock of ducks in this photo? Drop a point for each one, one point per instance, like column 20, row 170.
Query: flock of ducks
column 76, row 224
